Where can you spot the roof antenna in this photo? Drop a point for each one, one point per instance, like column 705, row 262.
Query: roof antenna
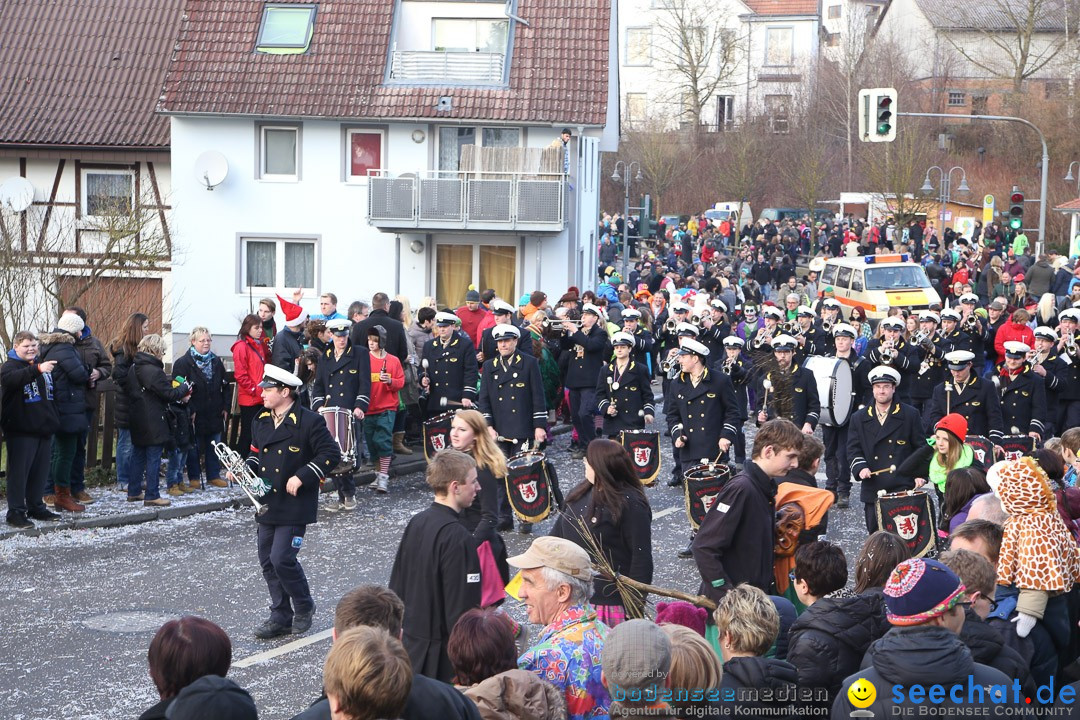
column 509, row 12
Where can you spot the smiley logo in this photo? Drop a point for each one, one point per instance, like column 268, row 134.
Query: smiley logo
column 862, row 693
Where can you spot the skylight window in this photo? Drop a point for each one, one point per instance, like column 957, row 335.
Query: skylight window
column 286, row 29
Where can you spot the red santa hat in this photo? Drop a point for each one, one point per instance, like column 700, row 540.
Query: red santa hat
column 294, row 314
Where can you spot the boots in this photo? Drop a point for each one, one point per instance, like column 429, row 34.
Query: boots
column 64, row 501
column 399, row 444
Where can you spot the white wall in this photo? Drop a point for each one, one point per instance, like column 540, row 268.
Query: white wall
column 414, row 23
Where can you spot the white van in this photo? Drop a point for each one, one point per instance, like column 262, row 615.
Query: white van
column 877, row 283
column 722, row 211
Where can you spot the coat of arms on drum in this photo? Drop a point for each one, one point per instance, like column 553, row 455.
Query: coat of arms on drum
column 907, row 526
column 528, row 491
column 642, row 455
column 438, row 441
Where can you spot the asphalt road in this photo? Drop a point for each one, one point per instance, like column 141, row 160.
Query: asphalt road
column 82, row 605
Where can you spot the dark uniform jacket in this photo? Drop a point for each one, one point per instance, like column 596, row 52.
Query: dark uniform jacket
column 977, row 340
column 876, row 446
column 633, row 397
column 713, row 338
column 451, row 369
column 302, row 446
column 805, row 403
column 588, row 352
column 27, row 395
column 906, row 363
column 740, row 378
column 512, row 396
column 735, row 542
column 491, row 350
column 959, row 340
column 931, row 370
column 286, row 349
column 436, row 574
column 1052, row 385
column 1023, row 403
column 343, row 382
column 703, row 414
column 977, row 401
column 643, row 346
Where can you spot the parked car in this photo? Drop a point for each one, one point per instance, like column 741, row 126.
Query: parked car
column 772, row 214
column 722, row 211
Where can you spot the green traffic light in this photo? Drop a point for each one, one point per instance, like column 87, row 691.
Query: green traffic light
column 884, row 128
column 1016, row 223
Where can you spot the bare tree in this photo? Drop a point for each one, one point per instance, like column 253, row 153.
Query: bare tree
column 663, row 157
column 895, row 172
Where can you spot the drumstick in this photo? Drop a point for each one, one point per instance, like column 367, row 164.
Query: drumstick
column 891, row 468
column 443, row 402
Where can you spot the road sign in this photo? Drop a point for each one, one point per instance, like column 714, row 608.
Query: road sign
column 988, row 209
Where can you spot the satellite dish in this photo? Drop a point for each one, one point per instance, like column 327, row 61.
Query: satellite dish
column 211, row 168
column 16, row 194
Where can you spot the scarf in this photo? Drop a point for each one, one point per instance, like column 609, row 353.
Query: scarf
column 205, row 363
column 939, row 472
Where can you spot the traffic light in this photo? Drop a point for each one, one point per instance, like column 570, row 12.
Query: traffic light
column 647, row 226
column 1016, row 209
column 877, row 115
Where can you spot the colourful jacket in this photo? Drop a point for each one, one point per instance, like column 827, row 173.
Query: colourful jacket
column 567, row 655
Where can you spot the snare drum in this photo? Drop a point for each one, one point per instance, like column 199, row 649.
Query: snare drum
column 437, row 434
column 701, row 485
column 528, row 486
column 339, row 421
column 834, row 384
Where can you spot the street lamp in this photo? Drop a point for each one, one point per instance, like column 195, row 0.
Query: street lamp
column 945, row 187
column 1069, row 176
column 627, row 169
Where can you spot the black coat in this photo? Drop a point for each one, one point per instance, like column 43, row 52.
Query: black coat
column 210, row 398
column 745, row 679
column 29, row 407
column 149, row 392
column 633, row 398
column 703, row 415
column 482, row 517
column 582, row 372
column 627, row 544
column 906, row 363
column 988, row 647
column 511, row 396
column 451, row 369
column 735, row 542
column 302, row 446
column 436, row 574
column 805, row 403
column 343, row 382
column 1023, row 404
column 121, row 368
column 427, row 699
column 876, row 446
column 397, row 344
column 828, row 641
column 931, row 370
column 95, row 357
column 977, row 401
column 70, row 377
column 287, row 349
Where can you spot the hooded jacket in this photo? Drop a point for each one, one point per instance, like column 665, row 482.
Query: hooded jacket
column 70, row 379
column 753, row 683
column 925, row 655
column 28, row 405
column 988, row 647
column 828, row 641
column 517, row 695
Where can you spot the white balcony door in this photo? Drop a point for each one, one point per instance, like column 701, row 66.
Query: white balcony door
column 458, row 265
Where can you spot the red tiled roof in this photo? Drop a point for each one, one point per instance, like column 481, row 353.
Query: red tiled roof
column 1073, row 205
column 783, row 7
column 85, row 72
column 558, row 70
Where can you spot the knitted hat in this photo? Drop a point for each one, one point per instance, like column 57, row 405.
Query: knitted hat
column 472, row 295
column 682, row 613
column 920, row 590
column 955, row 424
column 70, row 323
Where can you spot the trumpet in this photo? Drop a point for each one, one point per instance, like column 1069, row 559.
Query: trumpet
column 827, row 326
column 970, row 324
column 557, row 322
column 728, row 365
column 249, row 482
column 760, row 339
column 670, row 325
column 1070, row 346
column 888, row 352
column 668, row 365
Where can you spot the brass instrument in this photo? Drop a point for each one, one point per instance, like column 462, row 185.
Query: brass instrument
column 668, row 365
column 888, row 352
column 557, row 322
column 254, row 486
column 1070, row 346
column 670, row 325
column 728, row 365
column 827, row 326
column 695, row 320
column 970, row 324
column 761, row 338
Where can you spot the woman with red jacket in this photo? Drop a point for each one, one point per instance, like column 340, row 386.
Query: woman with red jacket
column 249, row 357
column 1016, row 328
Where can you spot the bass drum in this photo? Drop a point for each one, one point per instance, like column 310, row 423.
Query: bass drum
column 834, row 383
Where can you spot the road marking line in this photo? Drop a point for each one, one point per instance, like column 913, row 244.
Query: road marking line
column 665, row 513
column 284, row 649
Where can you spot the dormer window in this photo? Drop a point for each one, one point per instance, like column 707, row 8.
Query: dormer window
column 286, row 29
column 469, row 35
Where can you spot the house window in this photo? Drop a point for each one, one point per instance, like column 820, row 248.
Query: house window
column 725, row 112
column 469, row 35
column 638, row 51
column 489, row 266
column 279, row 152
column 832, row 39
column 834, row 12
column 777, row 107
column 365, row 153
column 278, row 263
column 779, row 47
column 957, row 99
column 108, row 192
column 635, row 107
column 286, row 29
column 452, row 139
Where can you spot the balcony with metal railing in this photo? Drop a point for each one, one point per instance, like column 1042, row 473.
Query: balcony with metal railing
column 479, row 201
column 456, row 68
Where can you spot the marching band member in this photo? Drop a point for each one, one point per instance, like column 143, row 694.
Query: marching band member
column 930, row 349
column 969, row 395
column 837, row 465
column 683, row 331
column 1046, row 364
column 1023, row 393
column 809, row 337
column 343, row 379
column 736, row 366
column 450, row 362
column 702, row 415
column 624, row 396
column 292, row 450
column 951, row 333
column 666, row 337
column 891, row 349
column 879, row 438
column 1069, row 370
column 823, row 334
column 715, row 327
column 589, row 348
column 503, row 313
column 977, row 329
column 788, row 390
column 830, row 313
column 512, row 402
column 643, row 339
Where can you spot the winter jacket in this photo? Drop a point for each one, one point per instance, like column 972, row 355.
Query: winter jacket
column 149, row 392
column 428, row 698
column 470, row 322
column 210, row 398
column 120, row 369
column 828, row 641
column 95, row 357
column 517, row 695
column 1039, row 278
column 1012, row 331
column 746, row 677
column 29, row 407
column 417, row 337
column 988, row 647
column 385, row 397
column 70, row 377
column 920, row 655
column 249, row 360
